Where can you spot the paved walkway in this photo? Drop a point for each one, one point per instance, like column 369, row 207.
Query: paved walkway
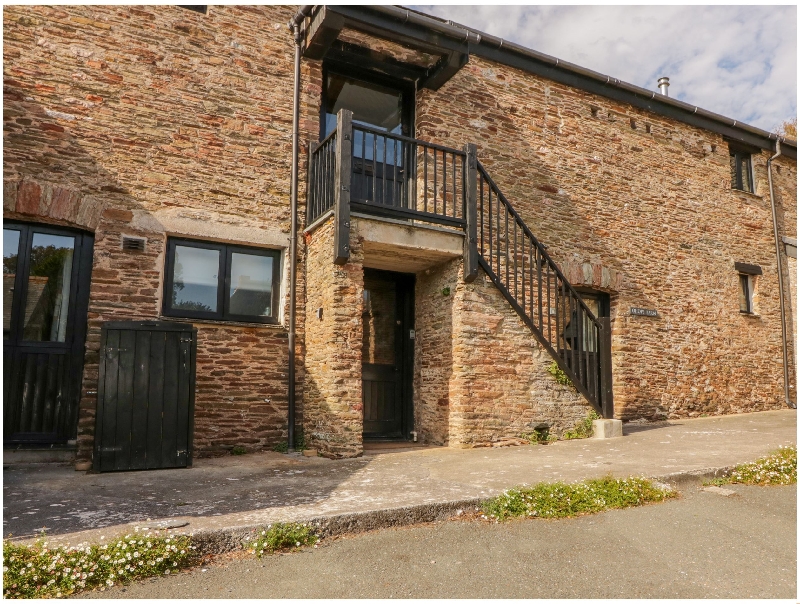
column 230, row 494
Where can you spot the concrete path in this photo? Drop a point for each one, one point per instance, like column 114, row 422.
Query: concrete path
column 224, row 497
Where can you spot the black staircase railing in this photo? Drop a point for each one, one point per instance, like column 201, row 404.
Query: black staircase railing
column 363, row 169
column 522, row 270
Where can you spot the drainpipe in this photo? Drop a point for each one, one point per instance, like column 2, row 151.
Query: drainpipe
column 294, row 26
column 787, row 397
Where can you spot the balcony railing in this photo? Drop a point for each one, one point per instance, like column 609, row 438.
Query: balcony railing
column 358, row 168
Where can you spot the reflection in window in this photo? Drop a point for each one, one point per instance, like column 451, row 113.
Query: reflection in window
column 195, row 279
column 10, row 255
column 207, row 280
column 251, row 285
column 49, row 278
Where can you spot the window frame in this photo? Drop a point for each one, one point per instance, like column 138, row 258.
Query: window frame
column 368, row 76
column 743, row 162
column 226, row 252
column 746, row 287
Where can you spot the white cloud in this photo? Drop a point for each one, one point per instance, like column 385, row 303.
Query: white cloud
column 739, row 61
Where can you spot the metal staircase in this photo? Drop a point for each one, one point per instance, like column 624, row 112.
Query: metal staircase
column 400, row 177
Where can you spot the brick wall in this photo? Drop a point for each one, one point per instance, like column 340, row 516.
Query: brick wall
column 646, row 203
column 157, row 120
column 333, row 410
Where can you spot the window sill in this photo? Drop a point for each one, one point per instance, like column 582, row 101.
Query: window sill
column 223, row 323
column 744, row 313
column 748, row 194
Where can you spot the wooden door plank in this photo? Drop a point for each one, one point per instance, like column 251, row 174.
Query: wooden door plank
column 155, row 399
column 169, row 447
column 182, row 415
column 109, row 402
column 127, row 345
column 139, row 411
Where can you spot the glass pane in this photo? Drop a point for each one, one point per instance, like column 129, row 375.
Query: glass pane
column 589, row 331
column 49, row 277
column 744, row 293
column 372, row 105
column 195, row 279
column 379, row 322
column 251, row 285
column 747, row 184
column 10, row 255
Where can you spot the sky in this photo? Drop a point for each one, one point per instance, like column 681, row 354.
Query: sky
column 739, row 61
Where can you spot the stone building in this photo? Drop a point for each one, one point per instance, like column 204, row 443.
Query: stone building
column 490, row 241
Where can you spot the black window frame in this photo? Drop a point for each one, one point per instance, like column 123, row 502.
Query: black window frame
column 223, row 281
column 742, row 162
column 746, row 287
column 347, row 70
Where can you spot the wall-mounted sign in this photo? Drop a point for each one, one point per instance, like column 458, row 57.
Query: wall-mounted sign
column 644, row 312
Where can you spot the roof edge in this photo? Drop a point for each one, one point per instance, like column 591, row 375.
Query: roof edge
column 498, row 49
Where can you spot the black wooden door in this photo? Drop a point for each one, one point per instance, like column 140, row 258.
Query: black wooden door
column 145, row 396
column 387, row 354
column 46, row 277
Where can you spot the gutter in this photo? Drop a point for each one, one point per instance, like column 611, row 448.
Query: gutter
column 786, row 394
column 294, row 27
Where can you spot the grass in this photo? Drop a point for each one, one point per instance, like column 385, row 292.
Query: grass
column 39, row 571
column 779, row 467
column 561, row 500
column 280, row 536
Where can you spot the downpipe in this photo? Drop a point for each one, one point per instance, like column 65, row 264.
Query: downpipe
column 786, row 394
column 294, row 27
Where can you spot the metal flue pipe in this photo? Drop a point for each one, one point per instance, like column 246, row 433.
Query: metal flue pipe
column 663, row 85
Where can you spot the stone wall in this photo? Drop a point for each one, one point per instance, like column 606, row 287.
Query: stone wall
column 500, row 388
column 333, row 411
column 433, row 351
column 645, row 202
column 152, row 121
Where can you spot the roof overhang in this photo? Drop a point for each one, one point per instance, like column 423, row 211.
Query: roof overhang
column 438, row 58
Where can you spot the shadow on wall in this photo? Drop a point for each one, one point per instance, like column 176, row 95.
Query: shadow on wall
column 54, row 174
column 594, row 185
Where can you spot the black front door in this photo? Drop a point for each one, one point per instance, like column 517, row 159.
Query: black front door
column 387, row 354
column 46, row 274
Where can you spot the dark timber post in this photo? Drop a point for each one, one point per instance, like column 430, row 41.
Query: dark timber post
column 344, row 151
column 471, row 212
column 606, row 389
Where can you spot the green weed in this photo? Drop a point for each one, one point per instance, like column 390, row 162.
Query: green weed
column 39, row 571
column 282, row 536
column 299, row 443
column 780, row 467
column 238, row 450
column 583, row 429
column 558, row 373
column 561, row 500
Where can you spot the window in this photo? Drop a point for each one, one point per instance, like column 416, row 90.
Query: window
column 741, row 170
column 747, row 283
column 205, row 280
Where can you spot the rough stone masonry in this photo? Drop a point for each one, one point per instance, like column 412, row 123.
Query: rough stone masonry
column 156, row 121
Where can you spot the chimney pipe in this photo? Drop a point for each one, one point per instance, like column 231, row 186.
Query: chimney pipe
column 663, row 85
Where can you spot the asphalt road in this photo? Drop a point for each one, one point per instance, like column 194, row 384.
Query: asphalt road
column 703, row 545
